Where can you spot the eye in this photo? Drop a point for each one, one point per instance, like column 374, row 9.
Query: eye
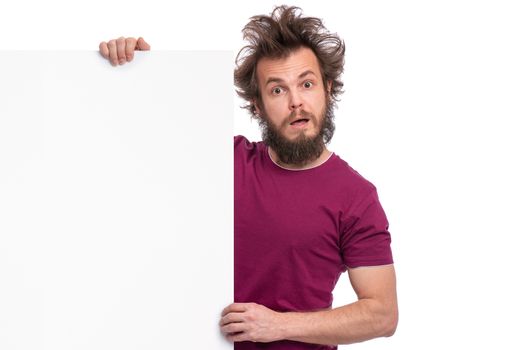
column 277, row 90
column 308, row 84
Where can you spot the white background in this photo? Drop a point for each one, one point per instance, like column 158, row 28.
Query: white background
column 431, row 115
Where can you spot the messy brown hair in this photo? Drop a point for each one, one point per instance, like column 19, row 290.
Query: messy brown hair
column 277, row 36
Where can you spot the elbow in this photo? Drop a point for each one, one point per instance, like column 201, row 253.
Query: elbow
column 389, row 324
column 390, row 329
column 385, row 321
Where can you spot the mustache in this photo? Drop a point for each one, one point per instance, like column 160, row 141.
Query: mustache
column 301, row 114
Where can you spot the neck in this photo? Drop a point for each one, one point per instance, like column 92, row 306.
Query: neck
column 315, row 162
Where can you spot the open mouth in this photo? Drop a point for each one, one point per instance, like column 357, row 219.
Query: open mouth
column 301, row 121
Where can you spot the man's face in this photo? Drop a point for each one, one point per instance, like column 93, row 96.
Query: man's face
column 293, row 106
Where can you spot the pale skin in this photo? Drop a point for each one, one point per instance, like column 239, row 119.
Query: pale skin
column 122, row 50
column 295, row 84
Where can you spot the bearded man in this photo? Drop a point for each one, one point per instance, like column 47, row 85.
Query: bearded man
column 303, row 216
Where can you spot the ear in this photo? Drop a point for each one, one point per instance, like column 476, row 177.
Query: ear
column 257, row 107
column 329, row 85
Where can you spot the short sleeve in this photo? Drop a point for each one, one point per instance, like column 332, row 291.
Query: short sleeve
column 365, row 239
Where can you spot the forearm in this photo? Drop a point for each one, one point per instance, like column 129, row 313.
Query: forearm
column 374, row 315
column 356, row 322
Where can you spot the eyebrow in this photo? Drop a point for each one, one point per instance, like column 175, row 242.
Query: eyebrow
column 278, row 80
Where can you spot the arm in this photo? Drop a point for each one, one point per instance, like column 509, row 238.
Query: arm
column 373, row 315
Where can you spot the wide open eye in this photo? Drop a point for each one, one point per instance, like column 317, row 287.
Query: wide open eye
column 277, row 90
column 308, row 85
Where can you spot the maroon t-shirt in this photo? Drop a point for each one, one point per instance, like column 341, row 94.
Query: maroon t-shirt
column 296, row 231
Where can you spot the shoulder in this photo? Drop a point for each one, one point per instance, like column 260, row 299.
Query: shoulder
column 243, row 145
column 246, row 151
column 240, row 140
column 346, row 176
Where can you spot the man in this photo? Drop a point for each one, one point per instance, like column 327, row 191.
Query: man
column 302, row 215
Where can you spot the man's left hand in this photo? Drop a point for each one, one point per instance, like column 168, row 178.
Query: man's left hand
column 251, row 322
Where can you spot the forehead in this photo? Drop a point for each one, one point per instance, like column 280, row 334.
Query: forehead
column 288, row 68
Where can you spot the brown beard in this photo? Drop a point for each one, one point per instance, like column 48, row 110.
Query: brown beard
column 303, row 149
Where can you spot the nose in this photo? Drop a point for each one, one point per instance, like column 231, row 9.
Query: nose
column 295, row 100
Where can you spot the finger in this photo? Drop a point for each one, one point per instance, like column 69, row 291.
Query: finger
column 104, row 50
column 121, row 50
column 142, row 45
column 130, row 48
column 235, row 307
column 233, row 328
column 113, row 57
column 232, row 317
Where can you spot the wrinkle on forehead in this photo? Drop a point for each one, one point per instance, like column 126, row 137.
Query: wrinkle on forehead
column 288, row 68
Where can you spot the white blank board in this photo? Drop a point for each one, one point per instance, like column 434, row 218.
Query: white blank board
column 116, row 200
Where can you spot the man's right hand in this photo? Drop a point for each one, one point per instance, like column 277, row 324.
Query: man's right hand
column 122, row 50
